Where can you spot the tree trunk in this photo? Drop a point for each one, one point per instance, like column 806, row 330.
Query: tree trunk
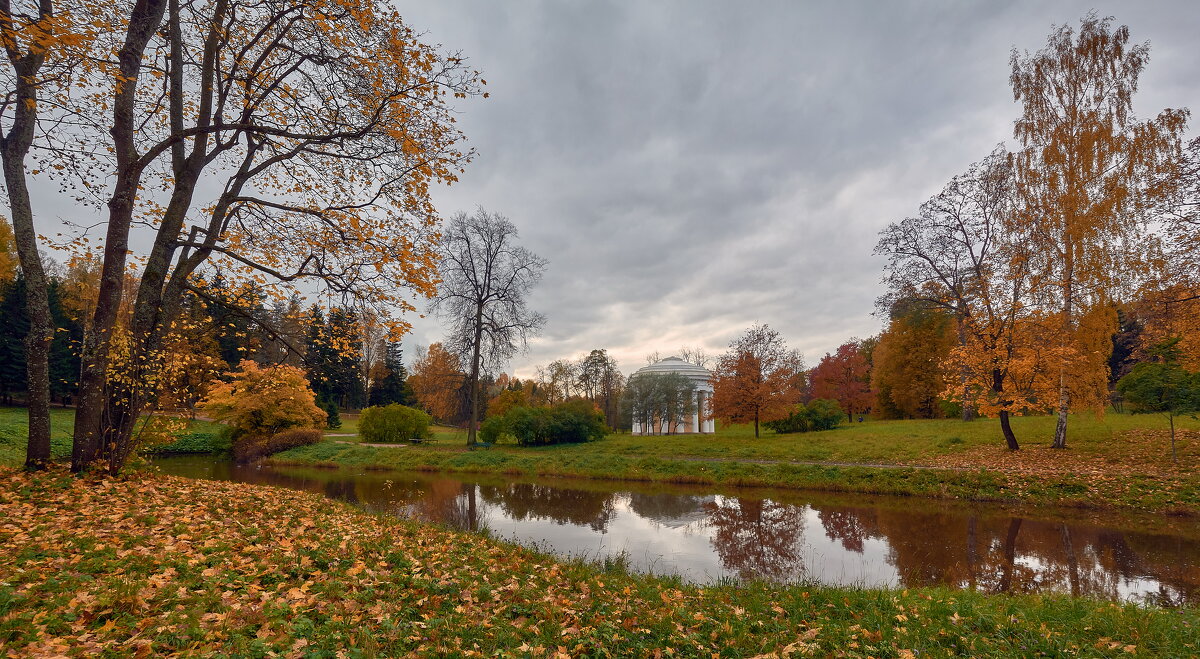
column 1072, row 560
column 964, row 374
column 92, row 438
column 1010, row 555
column 14, row 146
column 1006, row 429
column 756, row 424
column 473, row 421
column 1064, row 391
column 157, row 300
column 1064, row 406
column 1005, row 426
column 472, row 509
column 37, row 301
column 972, row 549
column 1174, row 456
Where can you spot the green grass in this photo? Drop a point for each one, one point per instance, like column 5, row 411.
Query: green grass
column 14, row 434
column 198, row 437
column 885, row 442
column 349, row 427
column 156, row 566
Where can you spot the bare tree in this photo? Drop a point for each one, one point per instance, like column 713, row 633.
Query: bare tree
column 956, row 255
column 485, row 279
column 696, row 355
column 599, row 380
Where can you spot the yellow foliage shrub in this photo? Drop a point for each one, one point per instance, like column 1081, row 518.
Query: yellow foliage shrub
column 261, row 402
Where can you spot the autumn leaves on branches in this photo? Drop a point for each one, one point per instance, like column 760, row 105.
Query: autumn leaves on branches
column 1030, row 251
column 320, row 126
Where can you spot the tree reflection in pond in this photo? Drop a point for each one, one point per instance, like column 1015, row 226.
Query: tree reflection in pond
column 669, row 509
column 850, row 527
column 1011, row 554
column 565, row 506
column 757, row 538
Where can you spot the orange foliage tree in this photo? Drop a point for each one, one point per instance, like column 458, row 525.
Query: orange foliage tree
column 8, row 253
column 844, row 376
column 908, row 374
column 1085, row 175
column 758, row 379
column 506, row 400
column 1009, row 367
column 261, row 401
column 193, row 364
column 437, row 379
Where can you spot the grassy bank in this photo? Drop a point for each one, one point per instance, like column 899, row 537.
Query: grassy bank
column 195, row 437
column 891, row 442
column 1118, row 460
column 156, row 565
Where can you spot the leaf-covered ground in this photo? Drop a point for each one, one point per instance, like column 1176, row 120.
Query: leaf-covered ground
column 153, row 565
column 1134, row 452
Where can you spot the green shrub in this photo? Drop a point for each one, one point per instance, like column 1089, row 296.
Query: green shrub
column 824, row 414
column 393, row 423
column 575, row 422
column 249, row 448
column 572, row 422
column 797, row 421
column 492, row 429
column 819, row 414
column 530, row 425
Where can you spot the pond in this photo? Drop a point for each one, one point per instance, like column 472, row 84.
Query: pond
column 710, row 534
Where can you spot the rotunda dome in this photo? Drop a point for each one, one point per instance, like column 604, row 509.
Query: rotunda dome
column 694, row 372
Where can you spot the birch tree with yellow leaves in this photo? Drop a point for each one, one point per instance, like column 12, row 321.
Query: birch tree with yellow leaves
column 1084, row 176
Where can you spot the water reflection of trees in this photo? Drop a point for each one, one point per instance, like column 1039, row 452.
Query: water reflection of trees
column 1010, row 554
column 668, row 508
column 757, row 538
column 565, row 506
column 850, row 527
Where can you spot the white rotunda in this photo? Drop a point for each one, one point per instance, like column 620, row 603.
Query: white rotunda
column 701, row 421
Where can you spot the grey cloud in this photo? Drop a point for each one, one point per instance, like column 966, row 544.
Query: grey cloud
column 690, row 168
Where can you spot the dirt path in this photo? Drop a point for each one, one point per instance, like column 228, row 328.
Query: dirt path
column 814, row 463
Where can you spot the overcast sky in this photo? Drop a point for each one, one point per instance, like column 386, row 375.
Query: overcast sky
column 691, row 168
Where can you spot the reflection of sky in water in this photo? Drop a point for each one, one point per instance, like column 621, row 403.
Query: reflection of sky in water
column 704, row 537
column 667, row 546
column 683, row 545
